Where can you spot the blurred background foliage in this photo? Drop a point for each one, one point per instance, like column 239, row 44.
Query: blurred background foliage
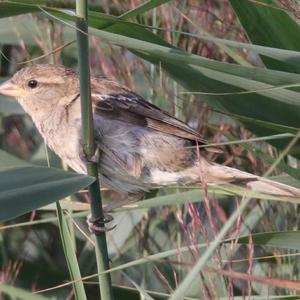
column 228, row 68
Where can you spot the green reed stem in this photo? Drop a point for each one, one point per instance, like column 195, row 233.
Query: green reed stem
column 89, row 145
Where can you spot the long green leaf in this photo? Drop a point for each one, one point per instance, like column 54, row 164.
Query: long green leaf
column 144, row 7
column 288, row 56
column 198, row 195
column 24, row 189
column 280, row 239
column 270, row 27
column 14, row 8
column 20, row 293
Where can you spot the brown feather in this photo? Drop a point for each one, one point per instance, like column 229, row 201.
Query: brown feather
column 116, row 102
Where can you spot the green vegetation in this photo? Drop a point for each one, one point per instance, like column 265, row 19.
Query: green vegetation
column 230, row 69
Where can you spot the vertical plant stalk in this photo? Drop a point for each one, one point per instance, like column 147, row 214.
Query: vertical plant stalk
column 89, row 146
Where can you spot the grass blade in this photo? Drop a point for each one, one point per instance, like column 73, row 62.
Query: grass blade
column 70, row 255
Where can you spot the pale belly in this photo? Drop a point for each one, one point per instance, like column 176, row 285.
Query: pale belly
column 132, row 159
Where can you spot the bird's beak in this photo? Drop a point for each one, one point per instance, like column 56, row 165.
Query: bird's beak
column 8, row 88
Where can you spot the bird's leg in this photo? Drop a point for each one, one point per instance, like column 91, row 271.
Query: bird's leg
column 97, row 225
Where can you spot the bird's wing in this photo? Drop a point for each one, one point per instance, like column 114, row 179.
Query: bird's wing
column 116, row 102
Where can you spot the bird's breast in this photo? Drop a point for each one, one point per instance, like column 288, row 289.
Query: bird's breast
column 64, row 138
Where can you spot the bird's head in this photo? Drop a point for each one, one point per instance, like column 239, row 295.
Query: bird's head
column 41, row 85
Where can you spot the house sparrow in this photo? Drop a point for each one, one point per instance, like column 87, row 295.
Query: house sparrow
column 140, row 146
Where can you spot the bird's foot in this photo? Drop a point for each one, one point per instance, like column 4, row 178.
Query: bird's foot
column 97, row 225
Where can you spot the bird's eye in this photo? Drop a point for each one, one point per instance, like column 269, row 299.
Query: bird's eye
column 32, row 83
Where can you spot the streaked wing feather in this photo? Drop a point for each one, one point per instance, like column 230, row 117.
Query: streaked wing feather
column 123, row 105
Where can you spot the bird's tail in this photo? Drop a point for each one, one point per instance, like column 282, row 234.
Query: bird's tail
column 212, row 174
column 218, row 174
